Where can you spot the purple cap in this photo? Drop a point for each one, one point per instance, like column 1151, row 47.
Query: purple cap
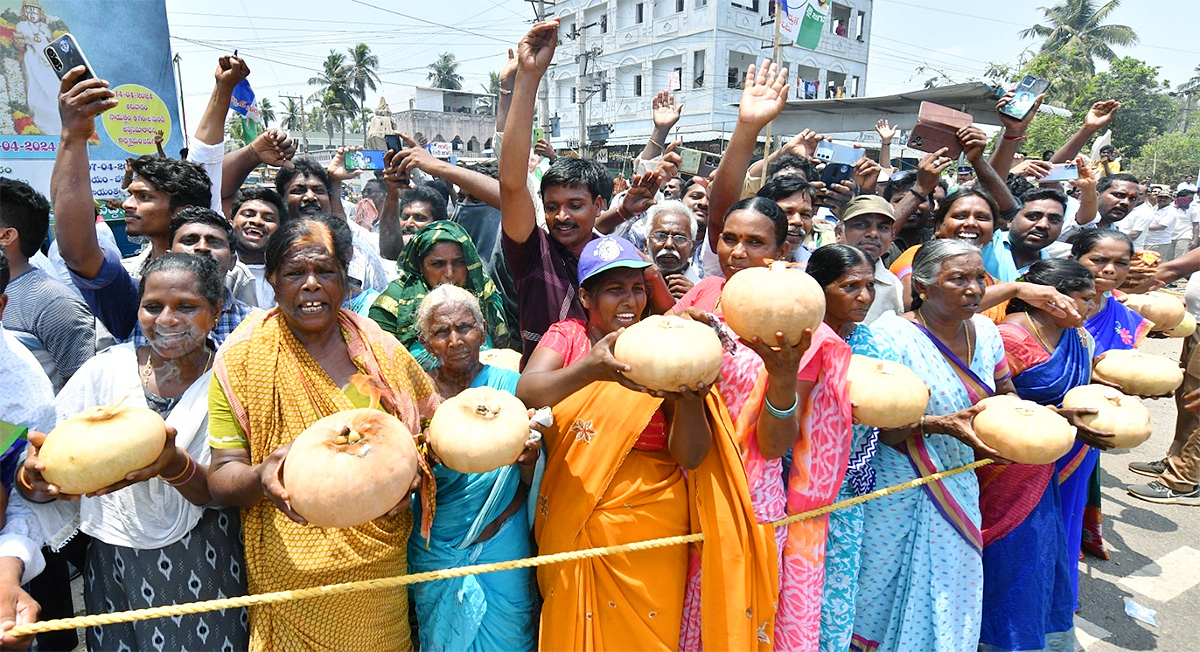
column 608, row 252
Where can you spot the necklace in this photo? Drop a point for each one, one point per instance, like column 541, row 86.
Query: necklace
column 1037, row 332
column 966, row 334
column 148, row 369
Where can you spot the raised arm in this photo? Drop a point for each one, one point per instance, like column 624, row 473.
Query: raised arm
column 762, row 100
column 231, row 71
column 158, row 141
column 71, row 180
column 481, row 186
column 508, row 75
column 518, row 218
column 1096, row 119
column 1088, row 201
column 886, row 133
column 391, row 242
column 337, row 175
column 666, row 115
column 1014, row 133
column 973, row 142
column 273, row 147
column 929, row 170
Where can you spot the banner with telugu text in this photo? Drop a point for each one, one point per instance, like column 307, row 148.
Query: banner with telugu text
column 812, row 23
column 128, row 44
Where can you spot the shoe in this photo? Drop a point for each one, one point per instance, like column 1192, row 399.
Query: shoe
column 1157, row 492
column 1149, row 469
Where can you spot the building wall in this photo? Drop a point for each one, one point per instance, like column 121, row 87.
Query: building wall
column 473, row 131
column 693, row 43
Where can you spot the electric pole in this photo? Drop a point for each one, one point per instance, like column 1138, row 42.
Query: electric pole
column 582, row 59
column 182, row 108
column 303, row 120
column 775, row 58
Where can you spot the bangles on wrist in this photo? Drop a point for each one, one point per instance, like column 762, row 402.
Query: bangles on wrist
column 782, row 414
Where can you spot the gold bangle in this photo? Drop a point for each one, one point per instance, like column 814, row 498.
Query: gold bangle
column 923, row 426
column 186, row 464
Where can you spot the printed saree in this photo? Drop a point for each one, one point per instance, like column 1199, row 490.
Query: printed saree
column 276, row 390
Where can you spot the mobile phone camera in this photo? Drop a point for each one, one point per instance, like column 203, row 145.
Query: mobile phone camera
column 54, row 60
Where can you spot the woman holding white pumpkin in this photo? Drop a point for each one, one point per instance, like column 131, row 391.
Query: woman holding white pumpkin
column 481, row 517
column 1029, row 559
column 154, row 542
column 615, row 460
column 782, row 397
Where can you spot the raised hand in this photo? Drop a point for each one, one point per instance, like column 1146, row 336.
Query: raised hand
column 337, row 167
column 640, row 196
column 666, row 113
column 973, row 142
column 866, row 175
column 536, row 49
column 668, row 165
column 275, row 148
column 1012, row 126
column 1100, row 115
column 1087, row 177
column 930, row 169
column 231, row 71
column 803, row 144
column 886, row 131
column 765, row 94
column 543, row 148
column 80, row 103
column 508, row 74
column 1032, row 167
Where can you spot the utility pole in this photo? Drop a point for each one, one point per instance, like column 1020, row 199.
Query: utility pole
column 182, row 108
column 582, row 59
column 303, row 120
column 775, row 58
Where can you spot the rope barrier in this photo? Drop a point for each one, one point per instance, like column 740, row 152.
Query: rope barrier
column 167, row 611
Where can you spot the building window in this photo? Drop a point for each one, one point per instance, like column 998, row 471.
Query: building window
column 572, row 95
column 732, row 81
column 637, row 85
column 701, row 3
column 752, row 5
column 679, row 6
column 676, row 79
column 602, row 81
column 603, row 23
column 639, row 13
column 698, row 69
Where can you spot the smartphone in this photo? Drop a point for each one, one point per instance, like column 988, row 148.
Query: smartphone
column 64, row 53
column 393, row 142
column 538, row 134
column 365, row 159
column 1024, row 95
column 696, row 162
column 1062, row 172
column 832, row 152
column 837, row 173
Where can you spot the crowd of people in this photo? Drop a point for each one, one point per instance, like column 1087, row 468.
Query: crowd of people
column 249, row 309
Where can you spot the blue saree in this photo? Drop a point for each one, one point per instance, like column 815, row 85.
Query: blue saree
column 1116, row 327
column 1027, row 561
column 494, row 611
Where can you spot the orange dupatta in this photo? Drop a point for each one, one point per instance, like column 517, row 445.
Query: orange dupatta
column 595, row 492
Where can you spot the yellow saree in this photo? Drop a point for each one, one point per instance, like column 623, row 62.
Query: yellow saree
column 599, row 490
column 276, row 390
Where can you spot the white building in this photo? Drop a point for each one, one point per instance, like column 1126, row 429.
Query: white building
column 699, row 49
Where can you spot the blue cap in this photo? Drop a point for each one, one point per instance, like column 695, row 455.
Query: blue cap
column 608, row 252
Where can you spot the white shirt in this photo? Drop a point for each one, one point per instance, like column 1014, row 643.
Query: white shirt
column 1070, row 226
column 1137, row 220
column 1164, row 217
column 889, row 294
column 1183, row 224
column 264, row 293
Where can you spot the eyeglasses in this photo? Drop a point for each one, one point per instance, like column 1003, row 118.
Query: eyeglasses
column 660, row 238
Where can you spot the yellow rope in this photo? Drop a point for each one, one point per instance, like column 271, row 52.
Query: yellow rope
column 167, row 611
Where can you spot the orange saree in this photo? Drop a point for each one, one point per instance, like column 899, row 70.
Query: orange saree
column 598, row 490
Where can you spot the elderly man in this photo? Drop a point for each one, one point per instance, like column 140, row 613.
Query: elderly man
column 868, row 222
column 671, row 239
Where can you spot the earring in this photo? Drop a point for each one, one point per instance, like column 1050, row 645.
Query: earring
column 922, row 295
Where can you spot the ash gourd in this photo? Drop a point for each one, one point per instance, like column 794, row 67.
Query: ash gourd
column 100, row 446
column 1023, row 431
column 479, row 430
column 885, row 394
column 667, row 352
column 761, row 301
column 1138, row 373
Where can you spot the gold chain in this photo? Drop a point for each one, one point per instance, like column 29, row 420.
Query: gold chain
column 966, row 335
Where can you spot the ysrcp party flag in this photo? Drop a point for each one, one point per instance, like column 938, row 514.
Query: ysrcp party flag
column 789, row 21
column 812, row 24
column 243, row 101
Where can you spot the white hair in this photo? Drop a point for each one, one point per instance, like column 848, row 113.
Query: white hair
column 927, row 264
column 446, row 294
column 672, row 207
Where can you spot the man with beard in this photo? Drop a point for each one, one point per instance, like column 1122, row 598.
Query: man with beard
column 672, row 188
column 309, row 189
column 1035, row 227
column 671, row 238
column 257, row 212
column 419, row 206
column 1116, row 194
column 795, row 196
column 867, row 222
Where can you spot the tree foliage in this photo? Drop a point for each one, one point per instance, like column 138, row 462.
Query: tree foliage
column 363, row 75
column 1077, row 27
column 443, row 72
column 1170, row 158
column 1146, row 108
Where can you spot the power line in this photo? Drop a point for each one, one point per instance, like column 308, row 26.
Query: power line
column 430, row 22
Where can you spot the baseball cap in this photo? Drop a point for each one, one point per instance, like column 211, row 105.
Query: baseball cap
column 608, row 252
column 866, row 205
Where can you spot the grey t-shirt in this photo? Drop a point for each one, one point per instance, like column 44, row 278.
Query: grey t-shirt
column 44, row 309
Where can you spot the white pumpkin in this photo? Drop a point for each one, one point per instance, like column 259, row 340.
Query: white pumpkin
column 665, row 352
column 480, row 430
column 1166, row 311
column 100, row 446
column 1023, row 431
column 1125, row 417
column 502, row 358
column 762, row 301
column 885, row 394
column 1185, row 328
column 1140, row 374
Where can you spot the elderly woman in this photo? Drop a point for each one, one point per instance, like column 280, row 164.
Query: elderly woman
column 481, row 517
column 782, row 398
column 848, row 278
column 157, row 537
column 920, row 583
column 616, row 475
column 281, row 371
column 440, row 252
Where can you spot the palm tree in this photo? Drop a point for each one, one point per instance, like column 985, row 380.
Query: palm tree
column 266, row 111
column 335, row 79
column 235, row 128
column 363, row 75
column 444, row 73
column 1192, row 85
column 291, row 115
column 1078, row 25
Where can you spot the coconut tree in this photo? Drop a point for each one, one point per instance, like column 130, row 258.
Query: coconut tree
column 335, row 79
column 266, row 111
column 291, row 115
column 363, row 75
column 444, row 72
column 1078, row 26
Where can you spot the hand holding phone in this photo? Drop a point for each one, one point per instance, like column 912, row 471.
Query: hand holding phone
column 365, row 159
column 64, row 54
column 1024, row 97
column 1061, row 172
